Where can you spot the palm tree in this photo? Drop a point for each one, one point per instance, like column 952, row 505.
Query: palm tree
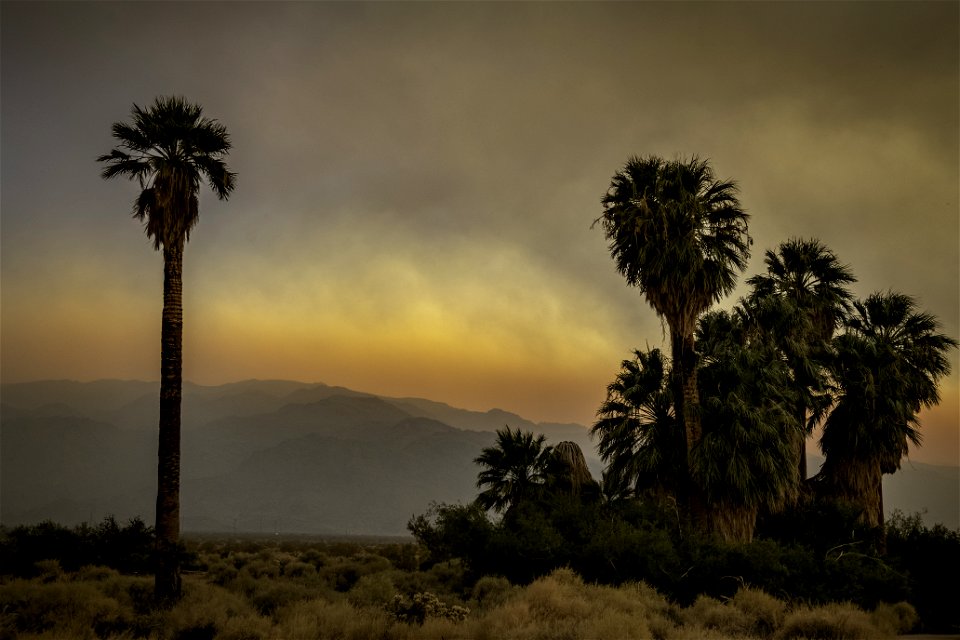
column 170, row 148
column 744, row 461
column 568, row 473
column 809, row 278
column 512, row 471
column 888, row 365
column 680, row 236
column 638, row 436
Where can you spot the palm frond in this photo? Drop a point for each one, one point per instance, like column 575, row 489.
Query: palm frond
column 170, row 149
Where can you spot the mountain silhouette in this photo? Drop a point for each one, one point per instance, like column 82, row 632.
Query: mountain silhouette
column 281, row 456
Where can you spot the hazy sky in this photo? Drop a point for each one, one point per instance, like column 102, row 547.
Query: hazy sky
column 417, row 181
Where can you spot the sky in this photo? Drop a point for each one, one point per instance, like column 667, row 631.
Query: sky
column 417, row 181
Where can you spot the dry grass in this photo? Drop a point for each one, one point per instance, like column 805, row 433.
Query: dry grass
column 288, row 600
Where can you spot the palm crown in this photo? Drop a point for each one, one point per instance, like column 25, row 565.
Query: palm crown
column 512, row 470
column 638, row 435
column 676, row 233
column 170, row 148
column 888, row 365
column 808, row 274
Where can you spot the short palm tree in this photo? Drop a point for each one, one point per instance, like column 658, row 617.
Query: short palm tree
column 679, row 235
column 170, row 148
column 512, row 471
column 812, row 282
column 887, row 366
column 568, row 473
column 638, row 436
column 744, row 461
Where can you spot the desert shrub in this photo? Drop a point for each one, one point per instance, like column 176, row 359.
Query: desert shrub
column 63, row 609
column 299, row 569
column 421, row 606
column 322, row 619
column 222, row 572
column 896, row 618
column 316, row 557
column 48, row 570
column 710, row 613
column 763, row 613
column 261, row 568
column 208, row 611
column 271, row 595
column 375, row 590
column 491, row 591
column 95, row 573
column 345, row 572
column 837, row 621
column 560, row 605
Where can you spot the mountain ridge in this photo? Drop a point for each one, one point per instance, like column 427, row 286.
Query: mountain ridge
column 295, row 457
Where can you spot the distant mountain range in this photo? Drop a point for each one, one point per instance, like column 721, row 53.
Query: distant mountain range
column 280, row 456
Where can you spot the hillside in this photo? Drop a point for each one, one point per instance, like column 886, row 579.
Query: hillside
column 281, row 456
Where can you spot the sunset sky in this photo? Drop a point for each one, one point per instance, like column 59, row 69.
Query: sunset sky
column 417, row 181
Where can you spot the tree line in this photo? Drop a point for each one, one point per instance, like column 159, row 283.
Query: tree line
column 719, row 428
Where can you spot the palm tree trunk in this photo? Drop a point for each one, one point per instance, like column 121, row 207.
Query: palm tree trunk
column 802, row 437
column 687, row 408
column 858, row 482
column 733, row 523
column 167, row 584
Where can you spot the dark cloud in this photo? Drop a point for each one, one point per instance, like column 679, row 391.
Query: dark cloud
column 472, row 129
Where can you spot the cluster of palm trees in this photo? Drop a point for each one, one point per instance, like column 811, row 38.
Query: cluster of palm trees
column 722, row 427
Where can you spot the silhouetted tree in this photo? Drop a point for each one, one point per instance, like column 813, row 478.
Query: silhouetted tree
column 568, row 474
column 888, row 364
column 680, row 236
column 170, row 148
column 744, row 462
column 809, row 278
column 513, row 470
column 637, row 433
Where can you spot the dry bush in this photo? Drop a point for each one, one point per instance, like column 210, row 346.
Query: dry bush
column 763, row 612
column 322, row 619
column 710, row 613
column 61, row 609
column 48, row 570
column 561, row 606
column 375, row 590
column 895, row 618
column 490, row 591
column 210, row 611
column 95, row 573
column 221, row 572
column 835, row 621
column 272, row 595
column 299, row 569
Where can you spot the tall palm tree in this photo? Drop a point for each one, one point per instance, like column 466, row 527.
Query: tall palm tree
column 809, row 278
column 888, row 365
column 638, row 436
column 170, row 148
column 680, row 236
column 512, row 471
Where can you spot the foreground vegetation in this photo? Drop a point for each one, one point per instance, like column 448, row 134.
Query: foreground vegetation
column 251, row 589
